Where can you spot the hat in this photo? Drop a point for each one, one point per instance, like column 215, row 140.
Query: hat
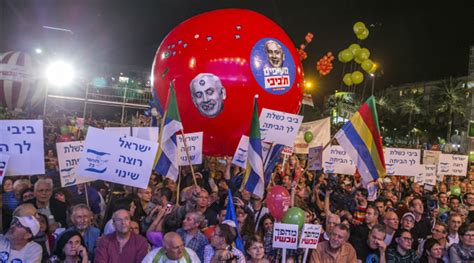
column 29, row 222
column 387, row 180
column 229, row 223
column 409, row 214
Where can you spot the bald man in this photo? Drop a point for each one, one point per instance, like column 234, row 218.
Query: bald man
column 173, row 250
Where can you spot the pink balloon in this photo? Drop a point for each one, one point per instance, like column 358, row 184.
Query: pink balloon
column 278, row 201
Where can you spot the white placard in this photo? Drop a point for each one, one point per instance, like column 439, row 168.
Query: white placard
column 321, row 131
column 3, row 166
column 452, row 164
column 315, row 157
column 336, row 160
column 279, row 127
column 402, row 161
column 69, row 154
column 430, row 174
column 431, row 157
column 287, row 150
column 420, row 177
column 145, row 133
column 110, row 157
column 285, row 236
column 194, row 143
column 240, row 155
column 22, row 140
column 310, row 236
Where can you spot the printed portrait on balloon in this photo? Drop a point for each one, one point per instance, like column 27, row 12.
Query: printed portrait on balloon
column 208, row 94
column 275, row 54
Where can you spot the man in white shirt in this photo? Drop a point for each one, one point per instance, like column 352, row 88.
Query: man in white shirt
column 16, row 246
column 173, row 250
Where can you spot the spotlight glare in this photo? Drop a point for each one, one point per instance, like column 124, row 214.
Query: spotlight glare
column 59, row 73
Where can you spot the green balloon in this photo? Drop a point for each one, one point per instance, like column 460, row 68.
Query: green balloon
column 354, row 48
column 357, row 60
column 442, row 141
column 367, row 65
column 64, row 130
column 346, row 55
column 358, row 28
column 363, row 54
column 357, row 77
column 308, row 136
column 347, row 79
column 295, row 216
column 455, row 190
column 363, row 35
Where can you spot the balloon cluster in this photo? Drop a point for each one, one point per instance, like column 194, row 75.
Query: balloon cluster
column 278, row 203
column 359, row 55
column 307, row 39
column 324, row 65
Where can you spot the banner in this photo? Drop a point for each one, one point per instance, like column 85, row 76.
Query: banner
column 431, row 157
column 451, row 164
column 310, row 236
column 144, row 133
column 22, row 140
column 111, row 157
column 315, row 158
column 69, row 154
column 279, row 127
column 285, row 236
column 320, row 132
column 336, row 160
column 194, row 143
column 3, row 166
column 402, row 161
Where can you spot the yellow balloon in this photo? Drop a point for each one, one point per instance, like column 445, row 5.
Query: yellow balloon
column 358, row 27
column 367, row 65
column 373, row 69
column 346, row 55
column 363, row 54
column 347, row 79
column 357, row 77
column 357, row 60
column 363, row 35
column 354, row 48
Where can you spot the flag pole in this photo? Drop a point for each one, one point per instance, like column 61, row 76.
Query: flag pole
column 187, row 155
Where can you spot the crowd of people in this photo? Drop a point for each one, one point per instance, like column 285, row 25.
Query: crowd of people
column 184, row 221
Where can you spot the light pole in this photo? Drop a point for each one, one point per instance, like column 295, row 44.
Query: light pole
column 372, row 75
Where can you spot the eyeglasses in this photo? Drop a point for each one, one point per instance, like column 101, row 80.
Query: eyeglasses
column 469, row 235
column 16, row 223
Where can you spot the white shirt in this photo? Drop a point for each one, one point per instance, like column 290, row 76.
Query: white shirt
column 453, row 239
column 109, row 227
column 30, row 253
column 192, row 255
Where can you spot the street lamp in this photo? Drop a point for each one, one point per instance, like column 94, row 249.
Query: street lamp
column 372, row 75
column 38, row 50
column 59, row 73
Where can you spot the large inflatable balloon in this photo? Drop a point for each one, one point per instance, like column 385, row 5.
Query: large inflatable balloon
column 278, row 201
column 219, row 61
column 17, row 81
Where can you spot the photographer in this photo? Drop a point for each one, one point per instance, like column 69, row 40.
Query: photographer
column 221, row 249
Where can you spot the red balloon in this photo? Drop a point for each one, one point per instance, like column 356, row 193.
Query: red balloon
column 278, row 201
column 240, row 50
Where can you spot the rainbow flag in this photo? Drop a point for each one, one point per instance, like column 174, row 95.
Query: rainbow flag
column 360, row 138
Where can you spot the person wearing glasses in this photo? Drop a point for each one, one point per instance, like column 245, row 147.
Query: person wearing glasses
column 463, row 251
column 17, row 245
column 403, row 251
column 47, row 204
column 221, row 249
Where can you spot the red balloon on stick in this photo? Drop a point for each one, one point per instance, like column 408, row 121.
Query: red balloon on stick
column 278, row 201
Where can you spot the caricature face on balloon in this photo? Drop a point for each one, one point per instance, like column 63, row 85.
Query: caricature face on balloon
column 275, row 54
column 208, row 94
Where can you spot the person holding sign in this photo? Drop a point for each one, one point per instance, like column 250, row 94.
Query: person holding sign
column 337, row 249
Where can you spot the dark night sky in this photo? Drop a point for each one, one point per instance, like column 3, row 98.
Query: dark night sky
column 412, row 40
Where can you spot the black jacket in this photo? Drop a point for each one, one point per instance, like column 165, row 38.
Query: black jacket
column 58, row 210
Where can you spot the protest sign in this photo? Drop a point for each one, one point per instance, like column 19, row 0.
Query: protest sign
column 240, row 155
column 431, row 157
column 430, row 174
column 451, row 164
column 22, row 140
column 336, row 160
column 110, row 157
column 279, row 127
column 310, row 236
column 420, row 177
column 194, row 143
column 285, row 236
column 3, row 166
column 320, row 131
column 402, row 161
column 69, row 154
column 287, row 150
column 145, row 133
column 315, row 157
